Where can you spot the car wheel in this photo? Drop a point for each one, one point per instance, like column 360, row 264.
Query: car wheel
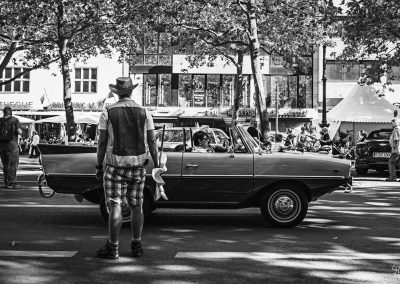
column 284, row 205
column 361, row 171
column 126, row 212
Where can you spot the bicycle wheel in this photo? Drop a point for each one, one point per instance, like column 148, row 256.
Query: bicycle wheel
column 44, row 190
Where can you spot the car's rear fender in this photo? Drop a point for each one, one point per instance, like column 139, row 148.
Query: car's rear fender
column 254, row 199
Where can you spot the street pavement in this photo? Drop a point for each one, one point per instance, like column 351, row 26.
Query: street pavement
column 345, row 238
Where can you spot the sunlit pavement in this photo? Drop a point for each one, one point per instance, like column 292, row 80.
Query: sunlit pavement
column 345, row 238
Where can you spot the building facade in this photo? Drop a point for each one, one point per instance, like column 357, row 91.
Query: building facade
column 177, row 93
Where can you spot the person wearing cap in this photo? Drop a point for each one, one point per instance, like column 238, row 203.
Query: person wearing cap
column 9, row 149
column 126, row 138
column 394, row 142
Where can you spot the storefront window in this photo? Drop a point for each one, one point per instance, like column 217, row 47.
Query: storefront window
column 228, row 90
column 305, row 92
column 245, row 100
column 199, row 90
column 185, row 91
column 213, row 91
column 150, row 89
column 291, row 91
column 164, row 90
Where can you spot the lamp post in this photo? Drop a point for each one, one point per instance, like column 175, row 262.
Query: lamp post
column 324, row 122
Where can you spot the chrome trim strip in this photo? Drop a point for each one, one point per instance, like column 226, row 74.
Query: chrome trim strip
column 68, row 174
column 218, row 176
column 295, row 177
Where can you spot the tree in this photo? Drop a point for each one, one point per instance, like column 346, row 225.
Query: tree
column 49, row 31
column 21, row 35
column 371, row 30
column 231, row 29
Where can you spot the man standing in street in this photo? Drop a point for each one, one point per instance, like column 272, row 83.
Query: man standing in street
column 35, row 142
column 10, row 127
column 394, row 142
column 126, row 137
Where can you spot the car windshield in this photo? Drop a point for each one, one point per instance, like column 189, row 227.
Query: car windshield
column 220, row 136
column 382, row 134
column 172, row 135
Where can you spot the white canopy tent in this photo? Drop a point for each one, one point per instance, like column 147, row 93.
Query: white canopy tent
column 362, row 109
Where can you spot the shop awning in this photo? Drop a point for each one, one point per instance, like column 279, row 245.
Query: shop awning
column 24, row 119
column 84, row 117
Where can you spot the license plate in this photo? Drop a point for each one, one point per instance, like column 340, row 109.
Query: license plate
column 381, row 154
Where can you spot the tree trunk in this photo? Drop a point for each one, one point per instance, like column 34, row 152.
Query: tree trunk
column 7, row 58
column 239, row 87
column 69, row 111
column 256, row 68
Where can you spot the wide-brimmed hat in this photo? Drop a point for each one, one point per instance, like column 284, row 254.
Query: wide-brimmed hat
column 124, row 86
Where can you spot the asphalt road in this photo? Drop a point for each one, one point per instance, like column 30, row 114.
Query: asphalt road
column 345, row 238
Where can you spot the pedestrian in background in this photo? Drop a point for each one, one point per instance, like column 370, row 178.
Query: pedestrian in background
column 126, row 136
column 395, row 149
column 34, row 151
column 10, row 128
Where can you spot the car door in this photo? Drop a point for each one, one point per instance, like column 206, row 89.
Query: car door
column 216, row 177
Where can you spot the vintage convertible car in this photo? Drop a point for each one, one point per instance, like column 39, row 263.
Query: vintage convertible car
column 280, row 184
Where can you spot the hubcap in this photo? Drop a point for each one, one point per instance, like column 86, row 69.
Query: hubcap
column 284, row 205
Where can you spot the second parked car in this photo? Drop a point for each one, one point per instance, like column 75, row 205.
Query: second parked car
column 374, row 152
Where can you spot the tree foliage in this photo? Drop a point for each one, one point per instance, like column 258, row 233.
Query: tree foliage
column 372, row 30
column 46, row 31
column 208, row 29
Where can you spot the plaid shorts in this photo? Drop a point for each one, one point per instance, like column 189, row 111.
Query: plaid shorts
column 124, row 185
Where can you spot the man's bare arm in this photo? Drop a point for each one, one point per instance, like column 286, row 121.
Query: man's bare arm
column 152, row 142
column 102, row 146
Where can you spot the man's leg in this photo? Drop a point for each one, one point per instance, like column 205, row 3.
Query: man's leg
column 12, row 170
column 135, row 200
column 5, row 160
column 112, row 192
column 114, row 221
column 392, row 166
column 137, row 222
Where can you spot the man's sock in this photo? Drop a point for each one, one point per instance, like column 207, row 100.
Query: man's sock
column 113, row 243
column 136, row 241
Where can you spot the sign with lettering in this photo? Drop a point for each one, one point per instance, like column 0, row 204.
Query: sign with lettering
column 17, row 105
column 243, row 112
column 79, row 106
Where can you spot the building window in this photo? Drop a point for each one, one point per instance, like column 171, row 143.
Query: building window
column 85, row 80
column 296, row 66
column 394, row 74
column 21, row 84
column 157, row 90
column 228, row 90
column 154, row 49
column 185, row 90
column 289, row 91
column 214, row 91
column 211, row 90
column 337, row 71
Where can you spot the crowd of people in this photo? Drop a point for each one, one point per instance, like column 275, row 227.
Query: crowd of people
column 28, row 145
